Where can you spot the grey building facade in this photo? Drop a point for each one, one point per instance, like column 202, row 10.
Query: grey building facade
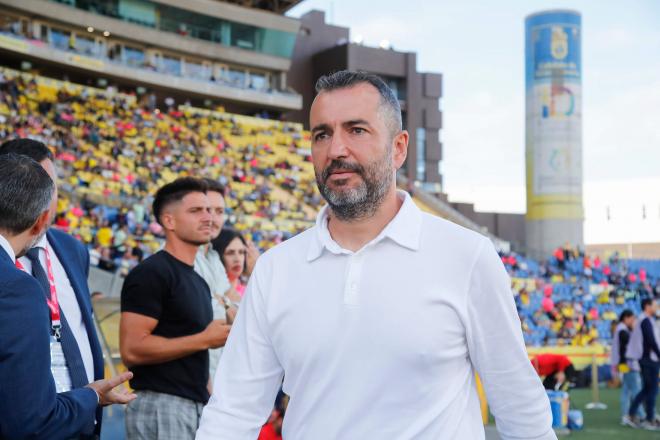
column 322, row 48
column 224, row 53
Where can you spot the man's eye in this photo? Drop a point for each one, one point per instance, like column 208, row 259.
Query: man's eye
column 319, row 136
column 358, row 130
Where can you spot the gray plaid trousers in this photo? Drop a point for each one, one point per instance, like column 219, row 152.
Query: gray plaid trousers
column 158, row 416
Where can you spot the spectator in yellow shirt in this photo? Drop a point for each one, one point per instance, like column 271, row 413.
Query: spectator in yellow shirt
column 104, row 235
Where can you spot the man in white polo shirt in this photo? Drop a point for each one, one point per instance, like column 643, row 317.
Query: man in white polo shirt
column 379, row 316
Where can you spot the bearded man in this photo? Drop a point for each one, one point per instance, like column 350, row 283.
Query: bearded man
column 379, row 316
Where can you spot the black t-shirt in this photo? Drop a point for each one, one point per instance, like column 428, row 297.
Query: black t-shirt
column 165, row 288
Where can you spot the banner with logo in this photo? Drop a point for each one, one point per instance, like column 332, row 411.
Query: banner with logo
column 554, row 115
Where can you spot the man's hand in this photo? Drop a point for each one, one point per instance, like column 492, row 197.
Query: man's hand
column 216, row 333
column 230, row 311
column 209, row 386
column 233, row 295
column 231, row 315
column 105, row 390
column 251, row 257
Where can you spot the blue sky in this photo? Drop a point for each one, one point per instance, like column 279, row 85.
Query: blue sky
column 478, row 47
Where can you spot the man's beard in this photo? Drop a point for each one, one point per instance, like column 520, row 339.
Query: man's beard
column 32, row 243
column 191, row 238
column 195, row 242
column 364, row 200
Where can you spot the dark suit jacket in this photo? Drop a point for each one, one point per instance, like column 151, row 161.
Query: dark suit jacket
column 74, row 257
column 29, row 405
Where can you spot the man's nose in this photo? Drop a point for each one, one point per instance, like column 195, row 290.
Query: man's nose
column 338, row 147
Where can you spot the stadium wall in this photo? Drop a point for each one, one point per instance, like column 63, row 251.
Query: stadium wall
column 508, row 227
column 644, row 251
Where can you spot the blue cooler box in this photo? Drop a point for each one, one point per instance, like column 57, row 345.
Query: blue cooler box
column 575, row 420
column 559, row 408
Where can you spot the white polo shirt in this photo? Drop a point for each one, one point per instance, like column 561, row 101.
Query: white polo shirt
column 379, row 343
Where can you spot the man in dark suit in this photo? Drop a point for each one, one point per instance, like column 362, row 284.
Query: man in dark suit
column 70, row 266
column 30, row 406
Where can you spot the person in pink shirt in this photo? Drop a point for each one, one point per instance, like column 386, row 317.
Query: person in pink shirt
column 597, row 262
column 548, row 304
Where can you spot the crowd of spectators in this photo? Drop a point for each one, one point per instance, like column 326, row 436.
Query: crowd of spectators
column 113, row 152
column 575, row 299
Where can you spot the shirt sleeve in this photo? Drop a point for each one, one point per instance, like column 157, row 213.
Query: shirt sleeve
column 248, row 377
column 144, row 291
column 497, row 351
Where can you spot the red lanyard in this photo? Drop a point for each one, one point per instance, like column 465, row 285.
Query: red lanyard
column 53, row 305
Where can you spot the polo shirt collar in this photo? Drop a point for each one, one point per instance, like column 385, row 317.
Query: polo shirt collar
column 404, row 229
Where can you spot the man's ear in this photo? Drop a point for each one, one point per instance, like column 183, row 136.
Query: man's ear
column 167, row 220
column 400, row 148
column 42, row 223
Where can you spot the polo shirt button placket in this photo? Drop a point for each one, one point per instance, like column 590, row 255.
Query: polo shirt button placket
column 352, row 280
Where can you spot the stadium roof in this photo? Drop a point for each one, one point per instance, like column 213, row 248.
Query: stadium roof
column 277, row 6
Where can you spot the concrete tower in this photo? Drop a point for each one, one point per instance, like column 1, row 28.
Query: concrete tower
column 553, row 138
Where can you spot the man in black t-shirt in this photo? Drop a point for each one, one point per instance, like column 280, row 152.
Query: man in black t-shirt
column 167, row 324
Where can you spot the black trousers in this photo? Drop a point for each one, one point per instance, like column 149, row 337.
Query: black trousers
column 550, row 381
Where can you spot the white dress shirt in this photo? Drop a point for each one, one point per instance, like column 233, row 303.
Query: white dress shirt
column 68, row 303
column 379, row 343
column 7, row 247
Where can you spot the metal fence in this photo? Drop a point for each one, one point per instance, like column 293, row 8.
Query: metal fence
column 108, row 283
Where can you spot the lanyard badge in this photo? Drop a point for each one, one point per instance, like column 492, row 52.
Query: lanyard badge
column 53, row 304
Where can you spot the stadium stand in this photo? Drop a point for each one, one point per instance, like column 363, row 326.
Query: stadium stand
column 576, row 299
column 113, row 153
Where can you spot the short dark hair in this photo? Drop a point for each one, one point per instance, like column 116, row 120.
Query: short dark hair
column 627, row 313
column 215, row 186
column 31, row 148
column 174, row 192
column 27, row 191
column 221, row 243
column 348, row 78
column 646, row 302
